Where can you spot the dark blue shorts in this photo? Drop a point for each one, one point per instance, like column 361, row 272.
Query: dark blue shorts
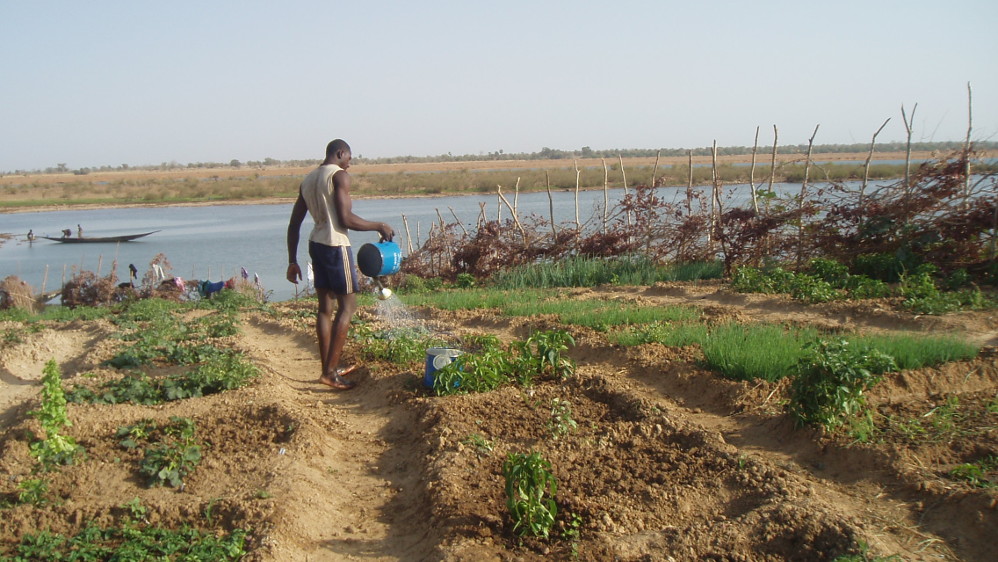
column 333, row 268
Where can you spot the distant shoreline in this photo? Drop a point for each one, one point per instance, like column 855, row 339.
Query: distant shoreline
column 14, row 181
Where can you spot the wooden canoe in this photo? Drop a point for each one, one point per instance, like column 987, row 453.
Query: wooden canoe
column 98, row 239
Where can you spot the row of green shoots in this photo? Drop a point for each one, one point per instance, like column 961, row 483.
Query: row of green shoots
column 158, row 333
column 820, row 362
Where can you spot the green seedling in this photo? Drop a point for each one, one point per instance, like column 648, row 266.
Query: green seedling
column 530, row 492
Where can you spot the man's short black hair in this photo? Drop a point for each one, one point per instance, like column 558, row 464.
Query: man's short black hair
column 335, row 146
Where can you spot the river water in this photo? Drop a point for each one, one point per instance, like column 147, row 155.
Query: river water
column 215, row 242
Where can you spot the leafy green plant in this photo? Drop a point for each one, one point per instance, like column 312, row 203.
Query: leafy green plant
column 32, row 491
column 474, row 372
column 976, row 473
column 397, row 347
column 479, row 444
column 672, row 335
column 56, row 448
column 132, row 541
column 831, row 379
column 225, row 371
column 560, row 422
column 530, row 493
column 544, row 353
column 172, row 450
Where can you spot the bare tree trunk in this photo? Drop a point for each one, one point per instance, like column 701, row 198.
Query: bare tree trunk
column 654, row 170
column 712, row 223
column 689, row 188
column 772, row 167
column 459, row 223
column 866, row 167
column 554, row 229
column 623, row 176
column 578, row 223
column 516, row 220
column 803, row 197
column 907, row 156
column 516, row 196
column 755, row 148
column 606, row 196
column 966, row 146
column 408, row 236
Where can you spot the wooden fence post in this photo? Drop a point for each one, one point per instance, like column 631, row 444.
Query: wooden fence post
column 623, row 176
column 866, row 167
column 803, row 196
column 755, row 148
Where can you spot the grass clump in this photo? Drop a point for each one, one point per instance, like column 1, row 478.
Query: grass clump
column 580, row 271
column 915, row 352
column 671, row 334
column 755, row 351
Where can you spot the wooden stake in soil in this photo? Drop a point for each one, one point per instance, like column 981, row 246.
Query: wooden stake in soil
column 654, row 170
column 606, row 196
column 966, row 148
column 554, row 228
column 578, row 224
column 408, row 237
column 623, row 178
column 457, row 220
column 803, row 196
column 689, row 189
column 866, row 166
column 755, row 197
column 772, row 166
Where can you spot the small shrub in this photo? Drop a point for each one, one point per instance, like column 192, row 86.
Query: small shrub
column 55, row 448
column 32, row 491
column 530, row 493
column 831, row 379
column 172, row 452
column 543, row 352
column 560, row 423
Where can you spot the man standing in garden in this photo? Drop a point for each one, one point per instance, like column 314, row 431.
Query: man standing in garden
column 325, row 195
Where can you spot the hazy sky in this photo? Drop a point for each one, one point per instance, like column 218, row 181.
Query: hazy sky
column 108, row 83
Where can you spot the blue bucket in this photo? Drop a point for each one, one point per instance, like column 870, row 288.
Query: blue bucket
column 437, row 358
column 383, row 258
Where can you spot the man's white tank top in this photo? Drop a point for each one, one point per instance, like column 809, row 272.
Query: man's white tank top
column 317, row 190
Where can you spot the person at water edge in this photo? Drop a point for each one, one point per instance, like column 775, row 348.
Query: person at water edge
column 79, row 231
column 325, row 195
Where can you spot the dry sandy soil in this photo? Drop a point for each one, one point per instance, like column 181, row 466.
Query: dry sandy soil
column 669, row 461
